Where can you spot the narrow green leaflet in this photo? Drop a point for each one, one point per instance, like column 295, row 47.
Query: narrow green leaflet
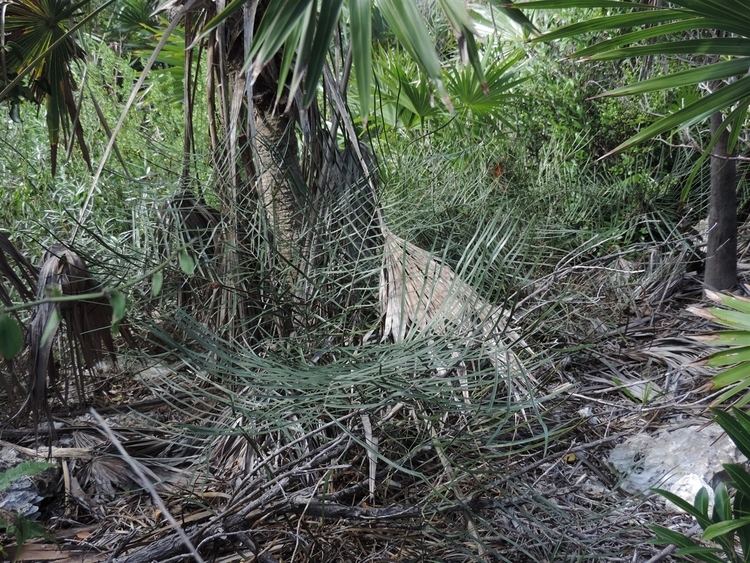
column 701, row 501
column 640, row 35
column 695, row 112
column 546, row 4
column 458, row 15
column 685, row 78
column 279, row 21
column 733, row 46
column 725, row 527
column 740, row 478
column 360, row 15
column 729, row 357
column 686, row 506
column 736, row 427
column 731, row 376
column 614, row 22
column 327, row 19
column 11, row 337
column 228, row 10
column 722, row 504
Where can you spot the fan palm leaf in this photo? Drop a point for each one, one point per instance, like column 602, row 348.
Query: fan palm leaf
column 39, row 46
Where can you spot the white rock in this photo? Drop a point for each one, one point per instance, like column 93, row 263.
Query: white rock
column 680, row 460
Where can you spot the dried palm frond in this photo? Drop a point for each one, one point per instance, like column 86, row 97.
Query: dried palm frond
column 419, row 292
column 87, row 323
column 17, row 270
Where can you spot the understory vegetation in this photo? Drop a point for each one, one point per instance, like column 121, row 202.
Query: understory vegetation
column 401, row 315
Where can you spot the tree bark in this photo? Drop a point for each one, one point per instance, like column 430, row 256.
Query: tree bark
column 721, row 254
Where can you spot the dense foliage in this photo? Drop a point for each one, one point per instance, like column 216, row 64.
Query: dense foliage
column 378, row 260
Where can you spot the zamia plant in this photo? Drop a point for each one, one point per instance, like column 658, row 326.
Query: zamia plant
column 734, row 343
column 727, row 526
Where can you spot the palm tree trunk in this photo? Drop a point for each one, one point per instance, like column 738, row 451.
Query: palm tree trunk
column 721, row 254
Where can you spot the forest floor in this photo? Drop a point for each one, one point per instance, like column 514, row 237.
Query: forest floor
column 317, row 495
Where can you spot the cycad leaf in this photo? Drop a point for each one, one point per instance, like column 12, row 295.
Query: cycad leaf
column 633, row 19
column 692, row 114
column 732, row 375
column 734, row 46
column 729, row 357
column 736, row 427
column 693, row 76
column 725, row 527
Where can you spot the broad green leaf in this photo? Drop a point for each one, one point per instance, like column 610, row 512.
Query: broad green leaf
column 11, row 337
column 119, row 303
column 701, row 501
column 726, row 317
column 729, row 357
column 732, row 375
column 187, row 263
column 738, row 303
column 722, row 505
column 736, row 427
column 156, row 282
column 725, row 527
column 725, row 338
